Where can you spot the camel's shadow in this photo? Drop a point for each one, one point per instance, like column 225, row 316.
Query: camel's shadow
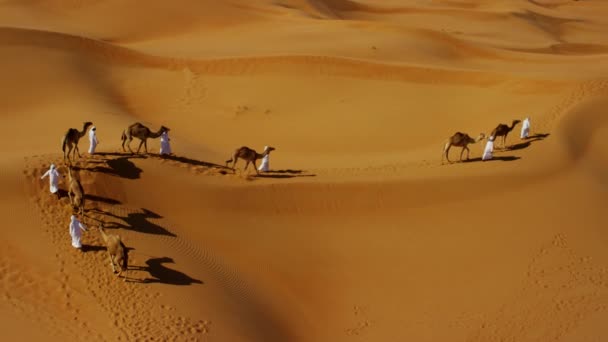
column 95, row 198
column 525, row 144
column 120, row 167
column 137, row 221
column 288, row 173
column 186, row 160
column 494, row 158
column 162, row 274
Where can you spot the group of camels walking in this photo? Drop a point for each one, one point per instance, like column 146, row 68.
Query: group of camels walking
column 463, row 140
column 116, row 249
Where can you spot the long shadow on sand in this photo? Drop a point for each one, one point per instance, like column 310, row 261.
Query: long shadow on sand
column 189, row 161
column 137, row 221
column 162, row 274
column 284, row 174
column 120, row 167
column 526, row 143
column 495, row 158
column 95, row 198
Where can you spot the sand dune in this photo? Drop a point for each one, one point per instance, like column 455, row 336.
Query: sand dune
column 358, row 232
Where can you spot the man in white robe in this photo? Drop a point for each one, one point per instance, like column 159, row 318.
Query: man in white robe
column 525, row 129
column 54, row 176
column 265, row 166
column 165, row 146
column 92, row 140
column 76, row 228
column 487, row 152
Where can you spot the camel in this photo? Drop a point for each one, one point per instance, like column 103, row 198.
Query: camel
column 459, row 139
column 75, row 192
column 503, row 130
column 249, row 155
column 137, row 130
column 71, row 138
column 116, row 250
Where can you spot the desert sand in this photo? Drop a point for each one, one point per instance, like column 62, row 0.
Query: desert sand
column 359, row 232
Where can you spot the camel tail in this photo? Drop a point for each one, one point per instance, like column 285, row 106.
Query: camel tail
column 64, row 142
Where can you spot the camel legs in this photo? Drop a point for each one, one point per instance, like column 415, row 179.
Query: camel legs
column 246, row 165
column 234, row 163
column 76, row 150
column 468, row 151
column 146, row 145
column 462, row 151
column 140, row 144
column 129, row 144
column 256, row 168
column 112, row 262
column 69, row 151
column 447, row 153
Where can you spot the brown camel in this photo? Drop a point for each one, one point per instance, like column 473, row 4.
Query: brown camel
column 459, row 139
column 249, row 155
column 141, row 132
column 75, row 192
column 71, row 138
column 503, row 130
column 116, row 250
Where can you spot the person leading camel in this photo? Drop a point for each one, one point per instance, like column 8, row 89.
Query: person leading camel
column 459, row 139
column 70, row 140
column 54, row 177
column 93, row 140
column 503, row 130
column 76, row 228
column 487, row 152
column 525, row 129
column 249, row 155
column 141, row 132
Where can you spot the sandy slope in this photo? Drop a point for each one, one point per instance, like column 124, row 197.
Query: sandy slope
column 360, row 233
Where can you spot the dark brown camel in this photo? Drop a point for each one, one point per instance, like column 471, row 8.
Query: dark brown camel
column 503, row 130
column 249, row 155
column 71, row 138
column 459, row 139
column 141, row 132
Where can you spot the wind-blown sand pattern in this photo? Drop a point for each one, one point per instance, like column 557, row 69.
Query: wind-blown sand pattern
column 358, row 232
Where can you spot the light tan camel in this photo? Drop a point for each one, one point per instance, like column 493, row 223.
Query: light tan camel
column 71, row 138
column 75, row 192
column 503, row 130
column 141, row 132
column 116, row 250
column 459, row 139
column 249, row 155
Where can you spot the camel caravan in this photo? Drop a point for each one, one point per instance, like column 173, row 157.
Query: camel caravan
column 463, row 140
column 116, row 249
column 118, row 252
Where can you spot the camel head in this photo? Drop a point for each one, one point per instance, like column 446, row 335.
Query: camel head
column 87, row 125
column 164, row 129
column 515, row 122
column 269, row 149
column 480, row 137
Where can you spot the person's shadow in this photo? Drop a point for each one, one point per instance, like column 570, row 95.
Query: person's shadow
column 162, row 274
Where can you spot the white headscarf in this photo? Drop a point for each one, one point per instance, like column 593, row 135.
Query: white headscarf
column 52, row 166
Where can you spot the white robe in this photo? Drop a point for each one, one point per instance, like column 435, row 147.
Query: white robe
column 165, row 147
column 265, row 166
column 53, row 179
column 92, row 141
column 525, row 128
column 75, row 227
column 487, row 152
